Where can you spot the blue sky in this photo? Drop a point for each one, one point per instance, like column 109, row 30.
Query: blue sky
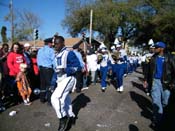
column 51, row 13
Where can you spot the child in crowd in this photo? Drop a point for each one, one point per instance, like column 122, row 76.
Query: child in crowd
column 23, row 84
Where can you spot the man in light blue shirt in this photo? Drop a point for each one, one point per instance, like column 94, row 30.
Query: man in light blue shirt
column 45, row 59
column 46, row 54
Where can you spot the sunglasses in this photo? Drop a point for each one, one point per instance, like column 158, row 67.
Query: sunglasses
column 157, row 47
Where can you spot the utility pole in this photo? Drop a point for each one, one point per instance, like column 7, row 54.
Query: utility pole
column 90, row 30
column 12, row 26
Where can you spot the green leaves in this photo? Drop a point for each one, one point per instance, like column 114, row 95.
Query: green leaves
column 150, row 18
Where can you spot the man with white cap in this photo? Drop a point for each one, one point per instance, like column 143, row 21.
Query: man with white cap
column 27, row 54
column 27, row 45
column 30, row 72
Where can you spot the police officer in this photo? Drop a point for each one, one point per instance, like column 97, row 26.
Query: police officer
column 45, row 59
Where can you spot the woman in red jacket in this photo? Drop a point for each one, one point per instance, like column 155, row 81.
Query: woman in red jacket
column 14, row 59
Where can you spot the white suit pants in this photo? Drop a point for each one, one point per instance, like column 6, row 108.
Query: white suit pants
column 60, row 98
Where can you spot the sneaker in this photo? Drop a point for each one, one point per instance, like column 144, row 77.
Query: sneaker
column 27, row 103
column 121, row 89
column 103, row 89
column 118, row 89
column 147, row 94
column 28, row 100
column 125, row 75
column 85, row 88
column 63, row 123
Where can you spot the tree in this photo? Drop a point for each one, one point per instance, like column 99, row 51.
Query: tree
column 157, row 22
column 4, row 34
column 108, row 15
column 28, row 21
column 164, row 23
column 140, row 19
column 24, row 24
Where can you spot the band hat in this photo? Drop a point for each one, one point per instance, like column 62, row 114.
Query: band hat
column 160, row 45
column 151, row 42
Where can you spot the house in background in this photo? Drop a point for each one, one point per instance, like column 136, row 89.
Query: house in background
column 69, row 42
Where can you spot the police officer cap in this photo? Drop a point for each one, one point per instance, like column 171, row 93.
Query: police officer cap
column 48, row 40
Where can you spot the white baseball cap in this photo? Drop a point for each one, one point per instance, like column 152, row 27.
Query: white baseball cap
column 26, row 45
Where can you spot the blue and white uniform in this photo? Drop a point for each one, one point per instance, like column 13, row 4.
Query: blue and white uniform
column 104, row 70
column 119, row 69
column 65, row 64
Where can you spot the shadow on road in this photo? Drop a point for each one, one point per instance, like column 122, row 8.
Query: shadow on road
column 141, row 79
column 139, row 86
column 143, row 103
column 79, row 102
column 114, row 83
column 133, row 128
column 140, row 71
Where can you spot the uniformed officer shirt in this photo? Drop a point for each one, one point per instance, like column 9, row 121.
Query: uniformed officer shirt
column 45, row 56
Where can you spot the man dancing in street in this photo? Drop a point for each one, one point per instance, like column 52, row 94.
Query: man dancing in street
column 65, row 65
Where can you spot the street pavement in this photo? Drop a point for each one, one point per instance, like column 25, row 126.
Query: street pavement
column 95, row 110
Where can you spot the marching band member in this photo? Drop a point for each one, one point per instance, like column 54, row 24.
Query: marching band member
column 65, row 65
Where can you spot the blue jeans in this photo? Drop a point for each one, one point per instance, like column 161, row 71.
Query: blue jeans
column 160, row 99
column 103, row 71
